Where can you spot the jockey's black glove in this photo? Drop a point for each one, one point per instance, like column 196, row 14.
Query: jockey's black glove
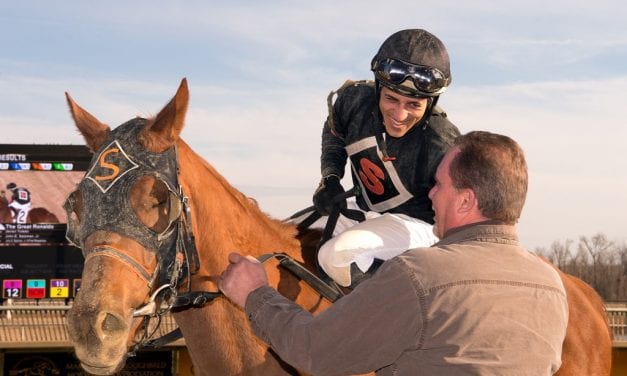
column 326, row 196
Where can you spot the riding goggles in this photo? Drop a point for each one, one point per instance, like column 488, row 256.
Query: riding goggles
column 416, row 79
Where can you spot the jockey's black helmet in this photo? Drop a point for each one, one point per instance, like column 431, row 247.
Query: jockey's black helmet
column 414, row 63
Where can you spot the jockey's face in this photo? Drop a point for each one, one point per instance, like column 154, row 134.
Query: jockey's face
column 400, row 113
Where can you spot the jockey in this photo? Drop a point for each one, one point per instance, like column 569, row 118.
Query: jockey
column 394, row 136
column 20, row 202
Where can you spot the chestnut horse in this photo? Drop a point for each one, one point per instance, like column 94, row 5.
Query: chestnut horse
column 125, row 213
column 587, row 348
column 41, row 215
column 119, row 268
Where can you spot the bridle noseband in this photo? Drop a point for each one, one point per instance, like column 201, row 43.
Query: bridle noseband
column 114, row 169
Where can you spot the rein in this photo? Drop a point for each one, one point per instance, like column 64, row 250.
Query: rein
column 115, row 168
column 197, row 299
column 177, row 255
column 324, row 285
column 166, row 296
column 186, row 261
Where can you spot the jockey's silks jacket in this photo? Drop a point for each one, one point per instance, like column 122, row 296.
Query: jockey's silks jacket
column 400, row 183
column 475, row 303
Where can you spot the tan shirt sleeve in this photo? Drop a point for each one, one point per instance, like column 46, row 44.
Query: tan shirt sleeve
column 364, row 331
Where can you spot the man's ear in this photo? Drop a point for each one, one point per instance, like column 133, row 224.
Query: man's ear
column 468, row 201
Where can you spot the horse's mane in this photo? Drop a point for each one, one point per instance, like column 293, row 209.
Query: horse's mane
column 246, row 209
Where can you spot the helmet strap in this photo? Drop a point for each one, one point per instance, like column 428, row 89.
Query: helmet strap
column 431, row 103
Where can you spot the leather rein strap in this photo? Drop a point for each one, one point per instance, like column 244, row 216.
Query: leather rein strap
column 324, row 286
column 327, row 291
column 197, row 299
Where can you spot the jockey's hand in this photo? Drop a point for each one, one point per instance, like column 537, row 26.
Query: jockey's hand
column 243, row 275
column 326, row 194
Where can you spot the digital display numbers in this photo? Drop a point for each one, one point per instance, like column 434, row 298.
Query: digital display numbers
column 12, row 288
column 59, row 288
column 36, row 288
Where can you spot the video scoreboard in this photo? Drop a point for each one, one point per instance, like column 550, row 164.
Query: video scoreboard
column 36, row 261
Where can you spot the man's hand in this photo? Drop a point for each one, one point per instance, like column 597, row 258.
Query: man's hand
column 243, row 275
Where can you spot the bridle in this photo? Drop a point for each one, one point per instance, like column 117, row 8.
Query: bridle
column 177, row 255
column 176, row 252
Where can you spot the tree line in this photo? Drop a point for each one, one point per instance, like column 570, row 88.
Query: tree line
column 596, row 260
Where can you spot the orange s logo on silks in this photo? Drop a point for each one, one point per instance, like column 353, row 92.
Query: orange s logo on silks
column 102, row 163
column 371, row 176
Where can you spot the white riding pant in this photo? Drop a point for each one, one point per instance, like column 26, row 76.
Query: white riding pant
column 380, row 236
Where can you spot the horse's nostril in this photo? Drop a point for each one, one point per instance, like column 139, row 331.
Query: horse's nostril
column 112, row 324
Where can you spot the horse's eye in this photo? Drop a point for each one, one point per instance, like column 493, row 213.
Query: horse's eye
column 149, row 200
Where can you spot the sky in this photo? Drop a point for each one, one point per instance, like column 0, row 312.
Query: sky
column 550, row 74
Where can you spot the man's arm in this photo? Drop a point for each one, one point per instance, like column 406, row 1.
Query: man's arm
column 363, row 331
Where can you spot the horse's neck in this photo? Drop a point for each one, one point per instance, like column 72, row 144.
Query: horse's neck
column 225, row 220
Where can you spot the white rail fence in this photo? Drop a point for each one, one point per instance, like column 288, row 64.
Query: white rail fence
column 26, row 322
column 617, row 318
column 23, row 324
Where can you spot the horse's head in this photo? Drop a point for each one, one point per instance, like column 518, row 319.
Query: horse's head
column 128, row 215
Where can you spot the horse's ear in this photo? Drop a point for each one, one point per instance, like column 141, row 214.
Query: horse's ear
column 163, row 131
column 94, row 132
